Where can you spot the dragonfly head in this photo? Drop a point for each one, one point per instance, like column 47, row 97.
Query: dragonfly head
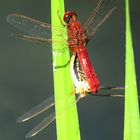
column 69, row 15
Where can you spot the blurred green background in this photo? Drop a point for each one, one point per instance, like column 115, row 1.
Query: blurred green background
column 26, row 71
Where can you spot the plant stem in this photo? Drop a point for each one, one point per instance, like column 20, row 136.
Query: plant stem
column 66, row 111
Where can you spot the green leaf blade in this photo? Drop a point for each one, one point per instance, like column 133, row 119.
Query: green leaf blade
column 131, row 118
column 66, row 111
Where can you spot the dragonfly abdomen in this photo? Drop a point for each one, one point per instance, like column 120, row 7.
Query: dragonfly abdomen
column 87, row 69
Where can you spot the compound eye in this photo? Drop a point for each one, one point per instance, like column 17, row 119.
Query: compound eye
column 68, row 15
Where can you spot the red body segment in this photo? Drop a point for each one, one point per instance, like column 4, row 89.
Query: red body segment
column 77, row 42
column 89, row 72
column 76, row 36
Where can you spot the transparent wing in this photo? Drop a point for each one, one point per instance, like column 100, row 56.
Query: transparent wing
column 31, row 26
column 99, row 15
column 34, row 39
column 36, row 31
column 40, row 40
column 112, row 88
column 41, row 125
column 49, row 102
column 48, row 120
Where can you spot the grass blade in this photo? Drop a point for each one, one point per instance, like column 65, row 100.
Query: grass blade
column 131, row 118
column 67, row 123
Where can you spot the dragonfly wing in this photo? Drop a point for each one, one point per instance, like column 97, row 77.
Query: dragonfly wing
column 41, row 125
column 34, row 39
column 31, row 26
column 49, row 120
column 92, row 16
column 112, row 88
column 41, row 40
column 99, row 15
column 37, row 110
column 110, row 94
column 49, row 102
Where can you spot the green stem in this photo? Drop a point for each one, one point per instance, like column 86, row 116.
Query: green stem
column 66, row 111
column 131, row 118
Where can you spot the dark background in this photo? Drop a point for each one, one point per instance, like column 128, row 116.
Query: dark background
column 26, row 77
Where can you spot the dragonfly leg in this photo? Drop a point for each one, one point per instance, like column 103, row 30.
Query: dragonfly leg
column 62, row 66
column 82, row 76
column 62, row 23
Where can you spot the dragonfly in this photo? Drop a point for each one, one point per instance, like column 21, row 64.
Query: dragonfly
column 82, row 73
column 78, row 35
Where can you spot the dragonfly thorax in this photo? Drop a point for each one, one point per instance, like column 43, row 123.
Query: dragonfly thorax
column 76, row 35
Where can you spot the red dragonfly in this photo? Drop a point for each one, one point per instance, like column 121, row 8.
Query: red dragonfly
column 78, row 36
